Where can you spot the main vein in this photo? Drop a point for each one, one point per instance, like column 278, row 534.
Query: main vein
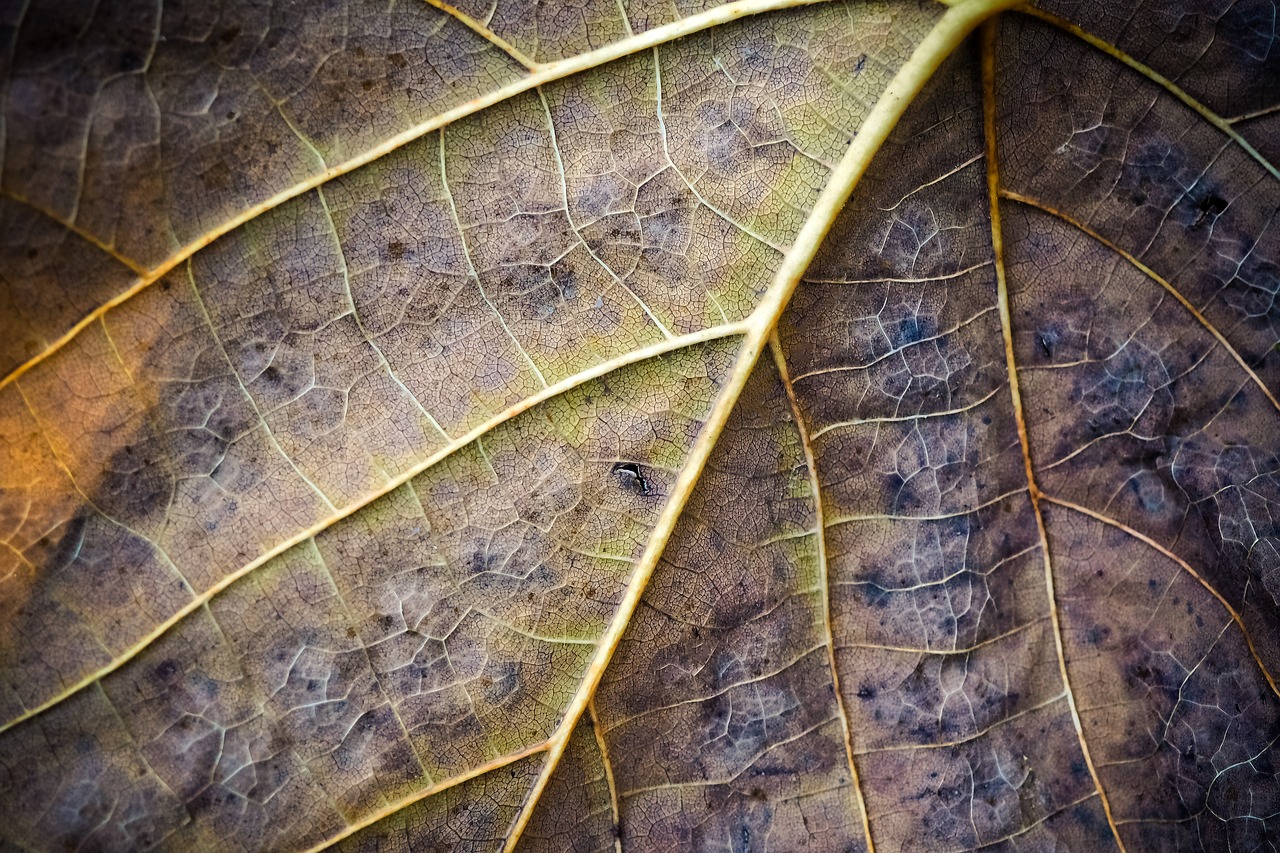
column 937, row 45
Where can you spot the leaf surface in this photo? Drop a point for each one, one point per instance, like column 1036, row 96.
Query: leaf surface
column 795, row 426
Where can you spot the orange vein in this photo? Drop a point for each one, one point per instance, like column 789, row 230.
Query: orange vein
column 1155, row 77
column 1154, row 276
column 989, row 35
column 775, row 346
column 485, row 33
column 598, row 730
column 1147, row 540
column 132, row 265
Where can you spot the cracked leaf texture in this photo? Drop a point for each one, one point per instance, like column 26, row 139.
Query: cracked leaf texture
column 639, row 425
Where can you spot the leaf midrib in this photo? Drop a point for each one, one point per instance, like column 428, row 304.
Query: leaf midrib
column 950, row 30
column 945, row 36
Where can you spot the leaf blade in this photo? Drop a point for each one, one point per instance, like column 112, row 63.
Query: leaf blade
column 876, row 490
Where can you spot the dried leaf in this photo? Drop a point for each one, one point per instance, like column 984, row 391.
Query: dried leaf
column 787, row 425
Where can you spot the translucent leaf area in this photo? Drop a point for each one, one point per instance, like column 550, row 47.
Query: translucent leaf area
column 639, row 425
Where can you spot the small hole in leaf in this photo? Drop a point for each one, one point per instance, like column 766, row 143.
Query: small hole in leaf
column 631, row 477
